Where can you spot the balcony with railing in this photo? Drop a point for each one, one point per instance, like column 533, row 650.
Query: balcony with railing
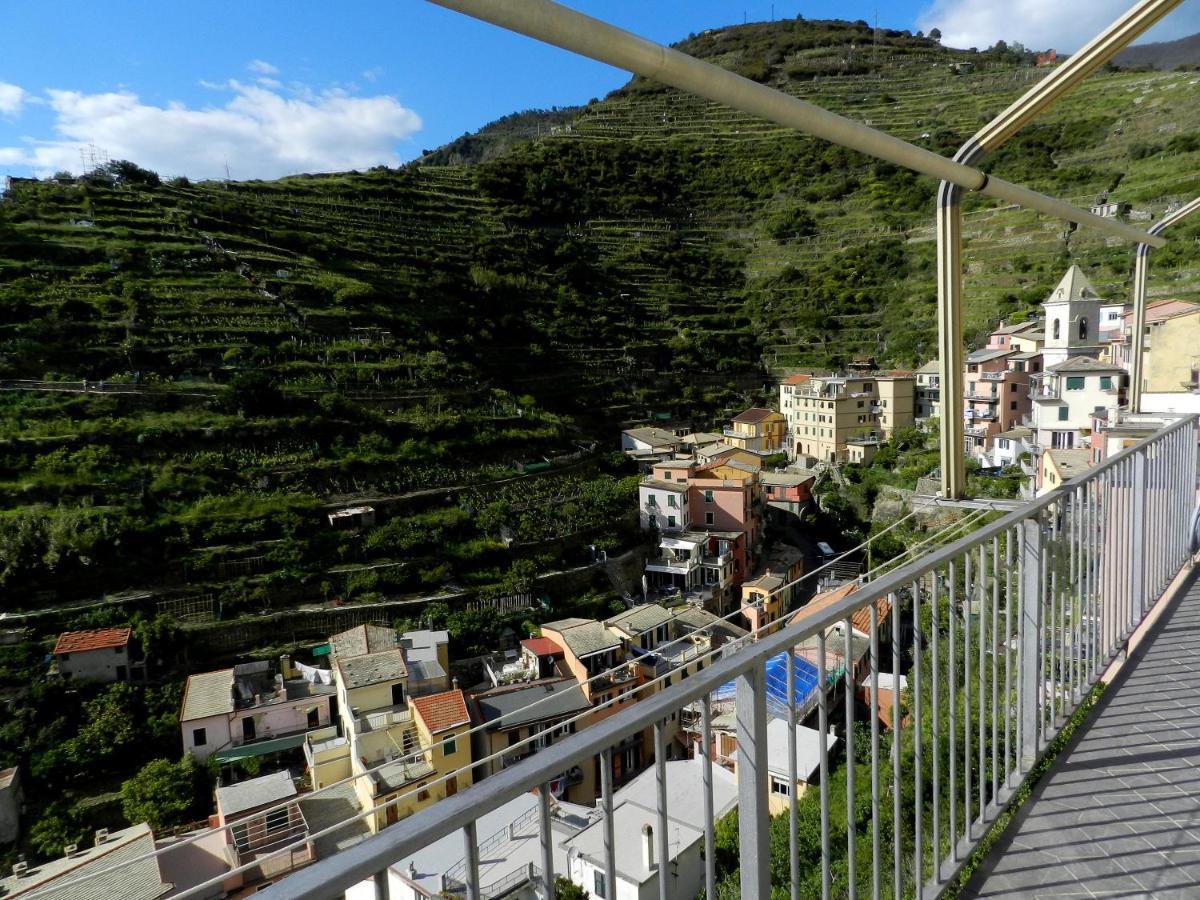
column 999, row 638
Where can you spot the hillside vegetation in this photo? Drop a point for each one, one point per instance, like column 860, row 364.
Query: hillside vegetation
column 417, row 338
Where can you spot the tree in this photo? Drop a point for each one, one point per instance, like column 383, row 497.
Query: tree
column 935, row 34
column 163, row 793
column 254, row 393
column 568, row 890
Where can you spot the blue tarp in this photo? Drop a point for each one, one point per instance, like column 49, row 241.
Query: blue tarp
column 806, row 683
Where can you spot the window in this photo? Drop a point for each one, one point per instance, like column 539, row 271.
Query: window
column 1063, row 412
column 1012, row 405
column 780, row 787
column 199, row 737
column 1003, row 442
column 277, row 820
column 670, row 521
column 422, row 795
column 671, row 501
column 652, row 500
column 1012, row 387
column 1083, row 328
column 514, row 737
column 708, row 496
column 1057, row 332
column 708, row 518
column 1075, row 383
column 598, row 885
column 449, row 746
column 1106, row 382
column 397, row 694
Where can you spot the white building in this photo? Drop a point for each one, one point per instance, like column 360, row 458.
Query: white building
column 1065, row 396
column 929, row 391
column 98, row 655
column 648, row 440
column 634, row 820
column 1009, row 446
column 808, row 761
column 1072, row 319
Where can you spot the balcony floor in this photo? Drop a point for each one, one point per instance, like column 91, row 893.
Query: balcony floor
column 1118, row 815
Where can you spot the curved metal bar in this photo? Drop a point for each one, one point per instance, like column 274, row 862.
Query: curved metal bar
column 1141, row 272
column 1027, row 107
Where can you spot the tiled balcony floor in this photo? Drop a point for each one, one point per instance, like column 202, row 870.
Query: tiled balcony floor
column 1118, row 815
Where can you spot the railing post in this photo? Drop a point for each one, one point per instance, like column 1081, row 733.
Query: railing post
column 1137, row 536
column 1032, row 687
column 753, row 822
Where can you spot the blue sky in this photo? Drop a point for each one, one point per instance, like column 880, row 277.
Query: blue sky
column 269, row 88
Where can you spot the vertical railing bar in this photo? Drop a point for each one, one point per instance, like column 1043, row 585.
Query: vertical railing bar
column 1073, row 598
column 874, row 624
column 851, row 823
column 982, row 670
column 660, row 780
column 952, row 730
column 793, row 810
column 1008, row 639
column 609, row 829
column 706, row 769
column 823, row 727
column 1052, row 560
column 1079, row 501
column 935, row 678
column 546, row 838
column 995, row 664
column 383, row 888
column 1019, row 655
column 471, row 843
column 1044, row 653
column 968, row 601
column 897, row 735
column 917, row 732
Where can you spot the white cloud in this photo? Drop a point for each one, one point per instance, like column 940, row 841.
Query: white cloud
column 1038, row 24
column 372, row 74
column 262, row 67
column 259, row 132
column 11, row 99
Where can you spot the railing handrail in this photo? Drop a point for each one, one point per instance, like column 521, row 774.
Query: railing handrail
column 411, row 834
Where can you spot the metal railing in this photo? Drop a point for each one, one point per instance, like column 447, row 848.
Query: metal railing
column 1000, row 636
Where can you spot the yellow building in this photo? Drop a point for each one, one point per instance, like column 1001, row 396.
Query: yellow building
column 897, row 401
column 400, row 745
column 1172, row 344
column 758, row 430
column 826, row 413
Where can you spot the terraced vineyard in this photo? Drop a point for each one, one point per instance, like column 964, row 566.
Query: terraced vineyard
column 413, row 338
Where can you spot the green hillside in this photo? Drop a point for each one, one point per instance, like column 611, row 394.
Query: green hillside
column 415, row 338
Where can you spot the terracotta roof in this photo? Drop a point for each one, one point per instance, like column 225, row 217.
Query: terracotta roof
column 81, row 641
column 861, row 620
column 754, row 414
column 541, row 646
column 899, row 373
column 1161, row 310
column 823, row 600
column 442, row 711
column 796, row 379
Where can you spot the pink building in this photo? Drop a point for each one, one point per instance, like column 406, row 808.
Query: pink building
column 996, row 389
column 252, row 706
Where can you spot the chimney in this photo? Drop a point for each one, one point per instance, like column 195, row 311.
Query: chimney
column 20, row 868
column 412, row 871
column 101, row 836
column 285, row 665
column 648, row 846
column 71, row 850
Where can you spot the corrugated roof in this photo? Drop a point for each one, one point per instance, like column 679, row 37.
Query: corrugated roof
column 586, row 637
column 371, row 668
column 207, row 694
column 442, row 711
column 541, row 646
column 266, row 789
column 553, row 699
column 1083, row 364
column 754, row 415
column 640, row 618
column 97, row 639
column 140, row 880
column 363, row 639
